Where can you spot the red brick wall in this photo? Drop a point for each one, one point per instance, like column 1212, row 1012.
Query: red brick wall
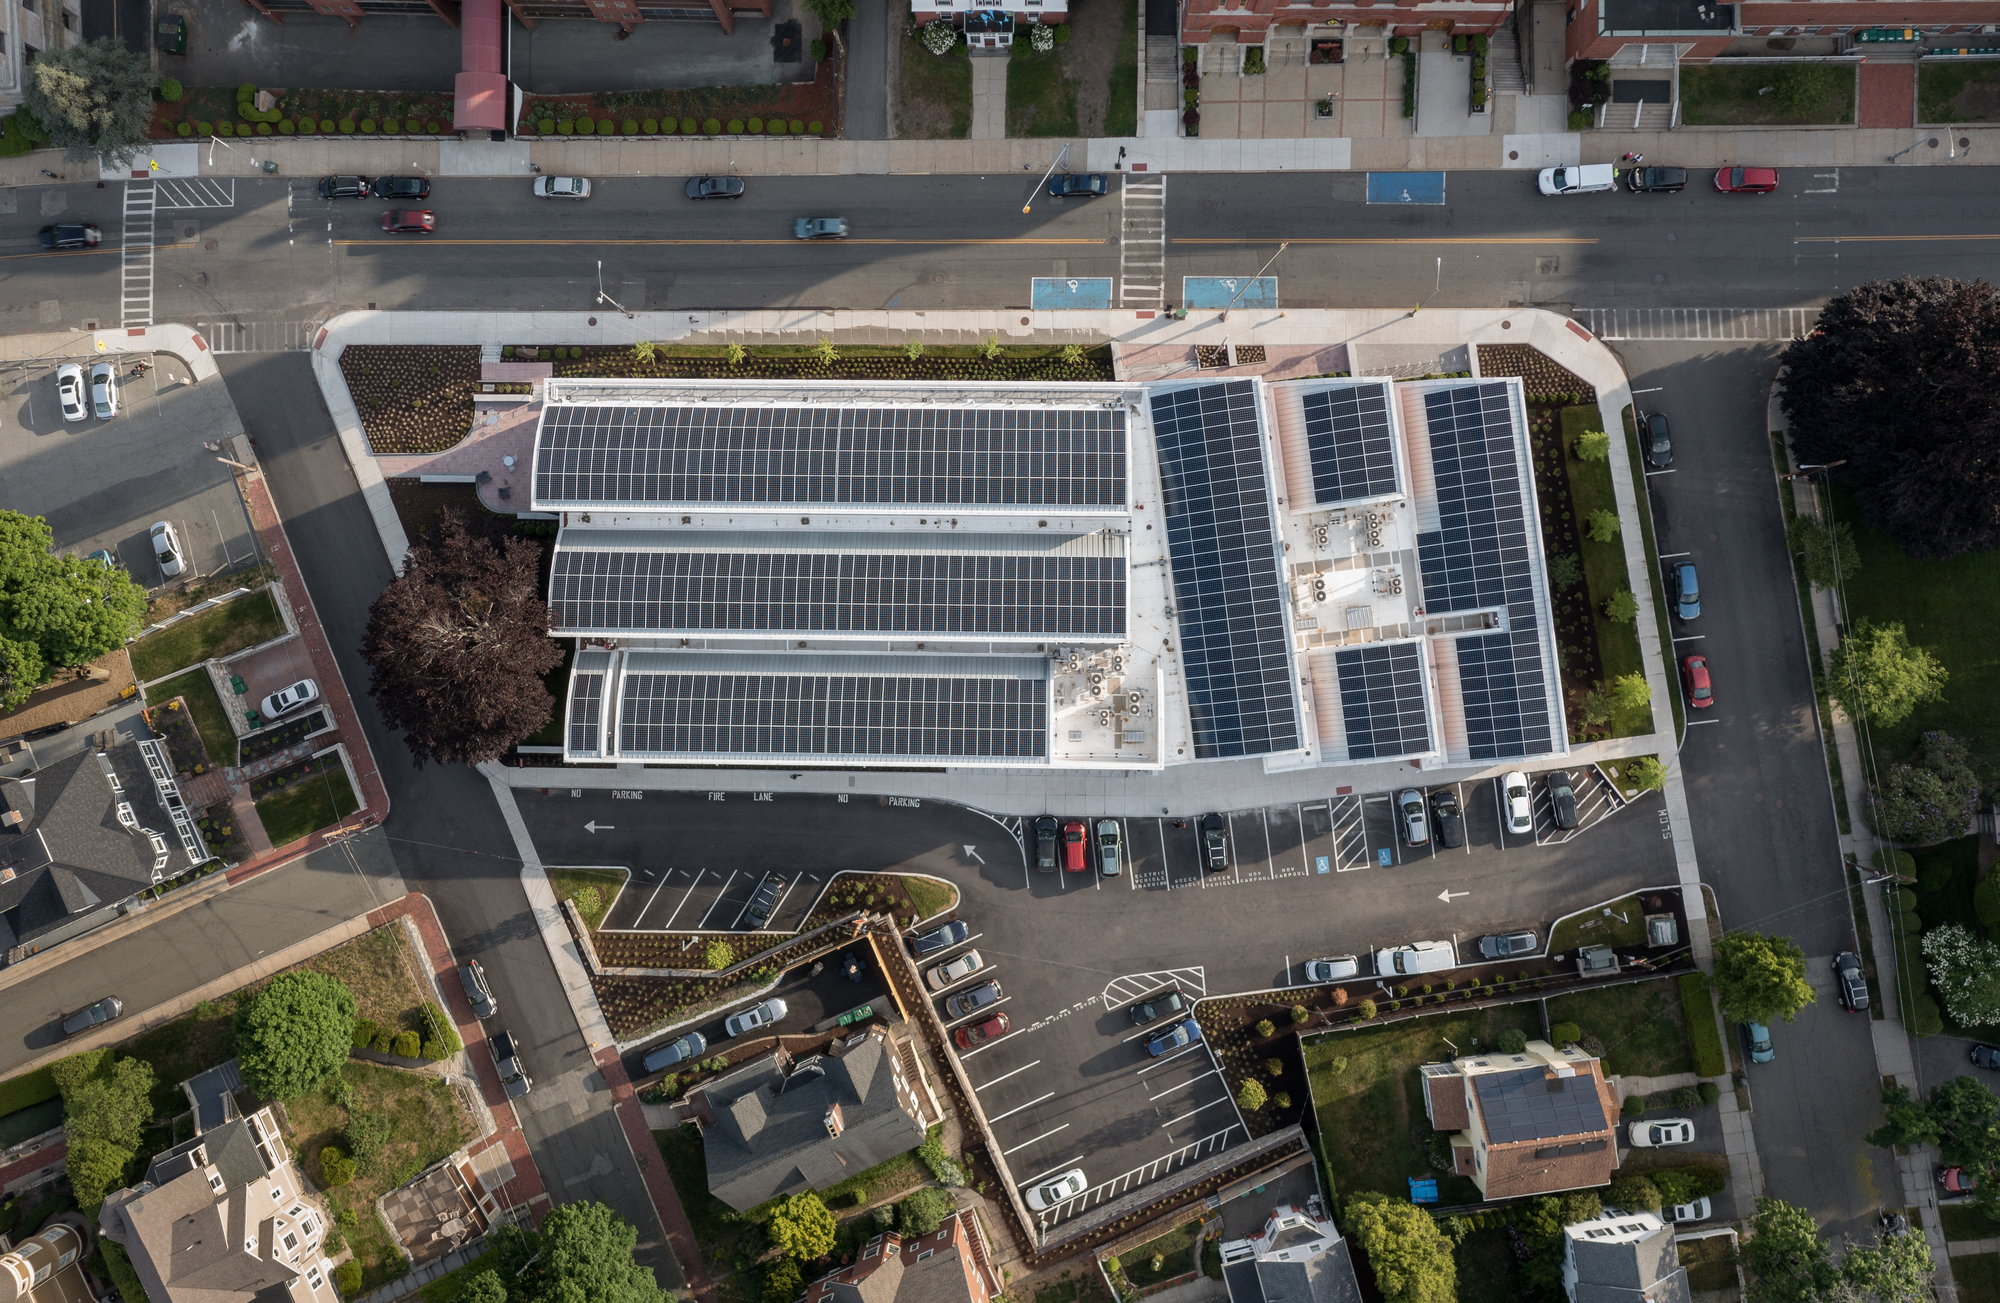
column 1253, row 19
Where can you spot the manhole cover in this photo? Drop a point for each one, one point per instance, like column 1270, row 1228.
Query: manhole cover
column 937, row 278
column 1965, row 142
column 189, row 230
column 1659, row 280
column 1932, row 142
column 208, row 245
column 1513, row 156
column 1024, row 321
column 593, row 321
column 201, row 278
column 1506, row 325
column 1671, row 237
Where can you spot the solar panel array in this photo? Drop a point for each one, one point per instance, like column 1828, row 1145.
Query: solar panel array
column 1351, row 443
column 1227, row 597
column 1382, row 700
column 918, row 717
column 586, row 704
column 1008, row 457
column 1481, row 556
column 969, row 594
column 1531, row 1105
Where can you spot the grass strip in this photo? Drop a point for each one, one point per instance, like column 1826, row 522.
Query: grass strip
column 219, row 631
column 1977, row 1276
column 566, row 883
column 1703, row 1037
column 308, row 805
column 1788, row 500
column 210, row 720
column 1121, row 114
column 445, row 1288
column 929, row 898
column 1605, row 572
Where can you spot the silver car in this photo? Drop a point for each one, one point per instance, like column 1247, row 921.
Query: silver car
column 562, row 187
column 769, row 1013
column 1506, row 945
column 1410, row 817
column 1107, row 847
column 472, row 977
column 69, row 388
column 1334, row 969
column 104, row 390
column 167, row 549
column 955, row 970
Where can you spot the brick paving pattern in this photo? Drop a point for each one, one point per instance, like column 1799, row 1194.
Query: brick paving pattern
column 1887, row 95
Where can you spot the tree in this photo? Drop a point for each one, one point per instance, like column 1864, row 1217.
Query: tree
column 585, row 1257
column 1761, row 978
column 1906, row 1120
column 294, row 1034
column 1601, row 525
column 1593, row 707
column 1622, row 607
column 1564, row 572
column 1966, row 972
column 921, row 1213
column 1901, row 381
column 1646, row 773
column 486, row 1287
column 1593, row 445
column 96, row 99
column 831, row 14
column 1877, row 675
column 96, row 1168
column 1250, row 1096
column 802, row 1227
column 1786, row 1256
column 1957, row 1116
column 1410, row 1255
column 1930, row 801
column 1631, row 691
column 55, row 610
column 459, row 644
column 106, row 1104
column 783, row 1282
column 1825, row 554
column 1635, row 1190
column 1894, row 1269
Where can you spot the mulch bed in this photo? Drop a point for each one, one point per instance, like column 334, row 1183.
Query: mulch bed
column 1545, row 379
column 259, row 745
column 413, row 398
column 223, row 832
column 1015, row 363
column 306, row 113
column 706, row 110
column 1211, row 355
column 171, row 722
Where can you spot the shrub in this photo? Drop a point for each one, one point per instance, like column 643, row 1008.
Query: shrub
column 441, row 1031
column 408, row 1044
column 711, row 126
column 347, row 1278
column 775, row 127
column 367, row 126
column 1708, row 1092
column 1634, row 1106
column 1250, row 1096
column 938, row 36
column 1040, row 39
column 306, row 126
column 337, row 1167
column 1281, row 1101
column 817, row 50
column 1622, row 608
column 1565, row 1033
column 1634, row 1191
column 585, row 127
column 606, row 127
column 432, row 128
column 246, row 92
column 688, row 127
column 796, row 127
column 1925, row 1019
column 651, row 126
column 1299, row 1014
column 923, row 1212
column 719, row 955
column 736, row 126
column 364, row 1033
column 204, row 128
column 1580, row 119
column 1265, row 1027
column 263, row 128
column 1687, row 1097
column 327, row 125
column 285, row 128
column 1365, row 1008
column 631, row 127
column 392, row 126
column 170, row 90
column 1646, row 773
column 347, row 126
column 1399, row 44
column 1274, row 1067
column 546, row 126
column 816, row 128
column 1063, row 34
column 1601, row 525
column 225, row 128
column 566, row 127
column 184, row 130
column 754, row 126
column 365, row 1134
column 1513, row 1041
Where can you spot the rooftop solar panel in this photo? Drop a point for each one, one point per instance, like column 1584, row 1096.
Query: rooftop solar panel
column 1227, row 597
column 1532, row 1105
column 1382, row 700
column 1351, row 443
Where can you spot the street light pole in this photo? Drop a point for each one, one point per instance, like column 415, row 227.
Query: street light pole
column 602, row 297
column 1044, row 181
column 1252, row 281
column 1434, row 290
column 1811, row 468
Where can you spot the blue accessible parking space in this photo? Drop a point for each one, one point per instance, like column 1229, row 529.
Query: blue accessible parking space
column 1229, row 291
column 1072, row 292
column 1406, row 187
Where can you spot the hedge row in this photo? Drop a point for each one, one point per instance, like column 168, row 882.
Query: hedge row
column 27, row 1090
column 1709, row 1061
column 669, row 126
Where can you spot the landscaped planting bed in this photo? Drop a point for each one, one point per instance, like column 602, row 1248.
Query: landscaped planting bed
column 173, row 723
column 259, row 745
column 223, row 832
column 304, row 798
column 218, row 110
column 779, row 109
column 960, row 362
column 413, row 398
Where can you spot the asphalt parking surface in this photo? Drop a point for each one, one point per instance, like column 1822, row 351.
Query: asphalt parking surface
column 703, row 900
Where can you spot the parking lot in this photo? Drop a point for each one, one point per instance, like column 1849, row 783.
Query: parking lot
column 701, row 899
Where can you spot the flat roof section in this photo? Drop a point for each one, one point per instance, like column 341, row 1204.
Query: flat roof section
column 1215, row 496
column 1662, row 17
column 1344, row 433
column 1383, row 702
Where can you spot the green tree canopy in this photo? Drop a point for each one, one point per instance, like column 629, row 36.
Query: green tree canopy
column 1957, row 1116
column 783, row 1282
column 924, row 1211
column 802, row 1228
column 96, row 1168
column 1825, row 555
column 1788, row 1260
column 1761, row 978
column 1895, row 1269
column 106, row 1103
column 1410, row 1255
column 586, row 1257
column 1930, row 801
column 55, row 610
column 1876, row 674
column 294, row 1034
column 486, row 1287
column 96, row 99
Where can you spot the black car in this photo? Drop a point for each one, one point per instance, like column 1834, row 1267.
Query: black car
column 1986, row 1056
column 1562, row 800
column 1659, row 444
column 1045, row 844
column 343, row 187
column 766, row 900
column 1077, row 185
column 1446, row 819
column 1167, row 1004
column 1853, row 984
column 715, row 187
column 1656, row 180
column 1214, row 843
column 398, row 187
column 939, row 938
column 77, row 235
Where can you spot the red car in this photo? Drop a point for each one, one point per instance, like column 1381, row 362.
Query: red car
column 1694, row 671
column 967, row 1037
column 1073, row 846
column 1746, row 180
column 1954, row 1181
column 409, row 221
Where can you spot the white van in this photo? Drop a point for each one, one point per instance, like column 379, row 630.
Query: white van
column 1417, row 957
column 1586, row 178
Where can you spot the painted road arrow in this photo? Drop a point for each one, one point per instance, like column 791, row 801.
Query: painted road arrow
column 972, row 854
column 593, row 826
column 1446, row 895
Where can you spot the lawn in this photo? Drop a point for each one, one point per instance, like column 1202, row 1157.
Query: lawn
column 1623, row 925
column 1121, row 113
column 1666, row 631
column 445, row 1288
column 934, row 98
column 1977, row 1278
column 1710, row 1263
column 190, row 1044
column 206, row 707
column 218, row 631
column 1041, row 95
column 718, row 1228
column 1604, row 569
column 1176, row 1251
column 1958, row 92
column 566, row 883
column 929, row 898
column 1641, row 1025
column 377, row 966
column 309, row 805
column 426, row 1123
column 1963, row 1221
column 1796, row 95
column 1369, row 1098
column 1084, row 1287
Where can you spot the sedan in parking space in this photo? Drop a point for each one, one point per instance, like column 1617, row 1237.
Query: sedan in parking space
column 1107, row 847
column 715, row 187
column 682, row 1049
column 1687, row 591
column 290, row 698
column 1517, row 808
column 167, row 549
column 69, row 389
column 1562, row 800
column 1332, row 969
column 1505, row 945
column 1045, row 844
column 954, row 970
column 343, row 187
column 758, row 912
column 472, row 976
column 410, row 222
column 1658, row 1135
column 766, row 1013
column 562, row 187
column 507, row 1061
column 1851, row 981
column 1756, row 1042
column 1182, row 1033
column 1955, row 1181
column 1656, row 180
column 75, row 235
column 104, row 390
column 1214, row 843
column 1073, row 859
column 1061, row 1190
column 1445, row 817
column 402, row 187
column 972, row 1000
column 94, row 1016
column 1694, row 673
column 1077, row 185
column 939, row 938
column 1659, row 441
column 1746, row 180
column 977, row 1033
column 1410, row 818
column 1986, row 1056
column 820, row 228
column 1698, row 1211
column 1164, row 1005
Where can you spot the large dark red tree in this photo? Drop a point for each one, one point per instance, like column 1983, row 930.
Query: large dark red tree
column 459, row 645
column 1901, row 380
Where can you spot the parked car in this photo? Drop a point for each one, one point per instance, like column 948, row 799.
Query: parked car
column 972, row 999
column 71, row 235
column 69, row 391
column 343, row 187
column 1058, row 1191
column 1107, row 847
column 1183, row 1033
column 1746, row 180
column 1072, row 835
column 1214, row 843
column 288, row 699
column 1656, row 180
column 562, row 187
column 103, row 390
column 954, row 970
column 978, row 1033
column 1332, row 969
column 103, row 558
column 1446, row 819
column 1687, row 591
column 1505, row 945
column 95, row 1015
column 1045, row 844
column 1757, row 1045
column 1517, row 808
column 1658, row 1135
column 939, row 938
column 1694, row 673
column 507, row 1060
column 1955, row 1181
column 1562, row 799
column 1853, row 983
column 1417, row 957
column 1986, row 1056
column 167, row 549
column 715, row 187
column 765, row 1013
column 472, row 976
column 765, row 902
column 1078, row 185
column 409, row 222
column 1659, row 441
column 1698, row 1211
column 402, row 187
column 820, row 228
column 681, row 1049
column 1164, row 1005
column 1578, row 179
column 1410, row 818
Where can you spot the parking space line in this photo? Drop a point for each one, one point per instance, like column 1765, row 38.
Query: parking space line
column 684, row 900
column 1185, row 1084
column 1003, row 1076
column 980, row 1012
column 1211, row 1104
column 1161, row 1063
column 1139, row 1175
column 1012, row 1111
column 780, row 907
column 648, row 907
column 724, row 895
column 1691, row 637
column 1025, row 1143
column 1063, row 1166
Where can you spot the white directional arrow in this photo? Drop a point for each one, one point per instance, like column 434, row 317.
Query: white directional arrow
column 1446, row 895
column 971, row 854
column 593, row 826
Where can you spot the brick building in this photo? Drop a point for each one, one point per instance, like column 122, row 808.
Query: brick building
column 950, row 1265
column 1251, row 22
column 626, row 13
column 1537, row 1122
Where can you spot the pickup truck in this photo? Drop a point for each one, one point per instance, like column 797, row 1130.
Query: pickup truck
column 507, row 1058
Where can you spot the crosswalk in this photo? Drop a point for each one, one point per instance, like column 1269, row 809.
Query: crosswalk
column 135, row 256
column 1142, row 243
column 196, row 192
column 1776, row 325
column 258, row 336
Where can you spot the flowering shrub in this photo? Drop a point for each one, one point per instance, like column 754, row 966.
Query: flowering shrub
column 938, row 36
column 1966, row 972
column 1930, row 801
column 1042, row 39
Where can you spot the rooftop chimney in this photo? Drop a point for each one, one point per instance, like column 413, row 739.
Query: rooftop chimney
column 11, row 820
column 834, row 1126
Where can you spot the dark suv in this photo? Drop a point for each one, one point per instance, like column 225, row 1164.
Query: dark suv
column 1045, row 844
column 1853, row 984
column 764, row 902
column 1214, row 843
column 1656, row 180
column 77, row 235
column 343, row 187
column 1659, row 442
column 400, row 187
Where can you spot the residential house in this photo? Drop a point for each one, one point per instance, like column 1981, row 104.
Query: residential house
column 950, row 1265
column 1530, row 1123
column 46, row 1268
column 1623, row 1258
column 781, row 1126
column 1298, row 1257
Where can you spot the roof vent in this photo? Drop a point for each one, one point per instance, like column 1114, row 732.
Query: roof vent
column 834, row 1126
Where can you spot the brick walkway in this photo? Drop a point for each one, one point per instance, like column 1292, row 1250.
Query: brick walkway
column 1887, row 95
column 653, row 1170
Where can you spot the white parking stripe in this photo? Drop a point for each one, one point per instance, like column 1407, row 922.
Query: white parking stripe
column 979, row 1013
column 1012, row 1111
column 1189, row 1082
column 1161, row 1063
column 684, row 900
column 1211, row 1104
column 1025, row 1143
column 1063, row 1166
column 718, row 900
column 1003, row 1076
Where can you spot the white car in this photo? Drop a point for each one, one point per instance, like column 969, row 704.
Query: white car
column 955, row 970
column 104, row 390
column 167, row 549
column 1332, row 970
column 1587, row 178
column 1658, row 1135
column 1519, row 810
column 1061, row 1190
column 1698, row 1211
column 1410, row 818
column 1417, row 957
column 69, row 388
column 562, row 187
column 291, row 698
column 768, row 1014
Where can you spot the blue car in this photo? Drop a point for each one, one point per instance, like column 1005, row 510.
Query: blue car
column 678, row 1051
column 1687, row 592
column 1077, row 185
column 939, row 938
column 1180, row 1034
column 1757, row 1042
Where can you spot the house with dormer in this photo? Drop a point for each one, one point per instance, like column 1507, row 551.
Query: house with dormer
column 1623, row 1258
column 948, row 1265
column 1537, row 1122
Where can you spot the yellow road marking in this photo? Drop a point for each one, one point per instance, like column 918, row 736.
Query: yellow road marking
column 1493, row 239
column 60, row 253
column 1884, row 239
column 436, row 240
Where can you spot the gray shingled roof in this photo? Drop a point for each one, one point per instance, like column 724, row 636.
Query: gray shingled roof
column 1325, row 1278
column 1530, row 1104
column 1646, row 1269
column 71, row 855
